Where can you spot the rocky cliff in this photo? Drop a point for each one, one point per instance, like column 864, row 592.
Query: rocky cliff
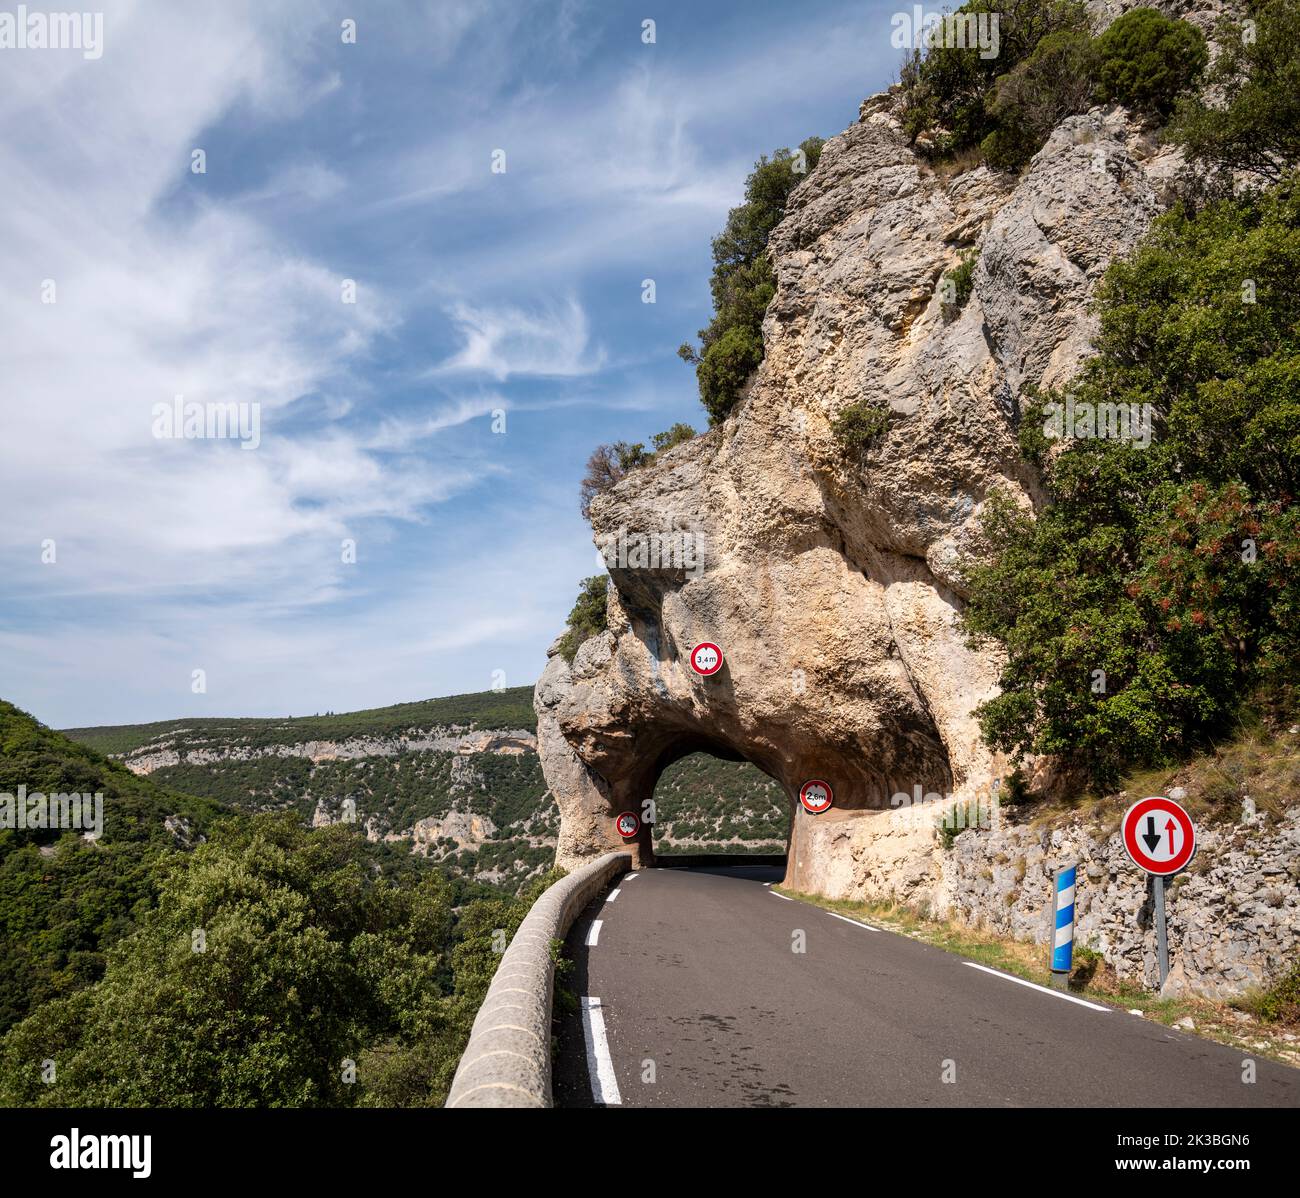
column 831, row 577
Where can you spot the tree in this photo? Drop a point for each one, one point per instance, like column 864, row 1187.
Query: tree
column 1145, row 59
column 1256, row 124
column 1159, row 585
column 589, row 615
column 1028, row 102
column 742, row 284
column 946, row 88
column 607, row 466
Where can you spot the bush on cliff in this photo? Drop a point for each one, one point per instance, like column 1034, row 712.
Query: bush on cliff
column 947, row 87
column 1256, row 124
column 1145, row 59
column 731, row 347
column 1047, row 67
column 1160, row 584
column 589, row 615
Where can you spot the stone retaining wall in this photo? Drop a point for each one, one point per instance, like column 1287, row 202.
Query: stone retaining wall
column 507, row 1062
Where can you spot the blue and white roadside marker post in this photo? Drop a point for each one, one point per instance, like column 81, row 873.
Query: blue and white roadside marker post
column 1063, row 941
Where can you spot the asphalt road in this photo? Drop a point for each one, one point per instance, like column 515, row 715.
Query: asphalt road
column 695, row 982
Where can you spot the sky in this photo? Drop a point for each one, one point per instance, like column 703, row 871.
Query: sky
column 439, row 423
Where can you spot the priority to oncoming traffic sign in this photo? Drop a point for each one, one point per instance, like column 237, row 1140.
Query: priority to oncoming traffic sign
column 1158, row 835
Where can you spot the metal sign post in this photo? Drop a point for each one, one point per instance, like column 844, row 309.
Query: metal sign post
column 1162, row 934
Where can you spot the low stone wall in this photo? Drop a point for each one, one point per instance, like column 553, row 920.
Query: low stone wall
column 1233, row 915
column 507, row 1062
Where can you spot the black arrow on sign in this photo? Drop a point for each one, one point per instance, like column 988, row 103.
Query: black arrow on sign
column 1151, row 836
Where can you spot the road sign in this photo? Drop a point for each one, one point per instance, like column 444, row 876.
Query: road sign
column 1158, row 835
column 627, row 824
column 816, row 796
column 706, row 658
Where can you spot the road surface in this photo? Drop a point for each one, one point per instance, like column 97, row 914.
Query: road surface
column 693, row 997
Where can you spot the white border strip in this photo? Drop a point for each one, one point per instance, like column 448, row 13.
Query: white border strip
column 997, row 973
column 613, row 894
column 857, row 923
column 787, row 898
column 600, row 1066
column 593, row 932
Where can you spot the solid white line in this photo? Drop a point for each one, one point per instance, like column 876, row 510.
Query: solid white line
column 997, row 973
column 600, row 1067
column 593, row 932
column 857, row 923
column 787, row 898
column 612, row 895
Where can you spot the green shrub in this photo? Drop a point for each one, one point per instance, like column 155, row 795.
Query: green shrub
column 860, row 424
column 677, row 435
column 1145, row 59
column 960, row 282
column 589, row 616
column 946, row 89
column 742, row 285
column 1256, row 127
column 1281, row 1003
column 1029, row 101
column 1166, row 574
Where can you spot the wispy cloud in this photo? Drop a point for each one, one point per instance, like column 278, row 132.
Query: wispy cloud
column 550, row 341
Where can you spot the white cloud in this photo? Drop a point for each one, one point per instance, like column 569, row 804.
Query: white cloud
column 506, row 340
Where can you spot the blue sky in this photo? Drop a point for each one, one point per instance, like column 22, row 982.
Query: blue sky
column 476, row 291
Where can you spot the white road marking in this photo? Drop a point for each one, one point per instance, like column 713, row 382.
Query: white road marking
column 787, row 898
column 600, row 1067
column 997, row 973
column 857, row 923
column 593, row 932
column 630, row 877
column 612, row 895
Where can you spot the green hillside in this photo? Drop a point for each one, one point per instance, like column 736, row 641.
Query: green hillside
column 486, row 710
column 63, row 899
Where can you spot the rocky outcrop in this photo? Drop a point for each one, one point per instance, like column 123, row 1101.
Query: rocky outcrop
column 462, row 741
column 832, row 578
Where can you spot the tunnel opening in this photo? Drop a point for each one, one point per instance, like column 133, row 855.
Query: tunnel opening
column 713, row 807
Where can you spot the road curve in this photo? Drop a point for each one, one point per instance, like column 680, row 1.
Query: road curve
column 693, row 997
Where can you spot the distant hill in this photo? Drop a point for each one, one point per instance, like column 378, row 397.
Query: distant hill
column 455, row 780
column 486, row 710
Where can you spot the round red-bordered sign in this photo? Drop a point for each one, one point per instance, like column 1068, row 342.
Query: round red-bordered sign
column 627, row 824
column 816, row 796
column 706, row 658
column 1158, row 835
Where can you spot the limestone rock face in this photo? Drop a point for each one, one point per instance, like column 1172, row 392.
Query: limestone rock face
column 831, row 577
